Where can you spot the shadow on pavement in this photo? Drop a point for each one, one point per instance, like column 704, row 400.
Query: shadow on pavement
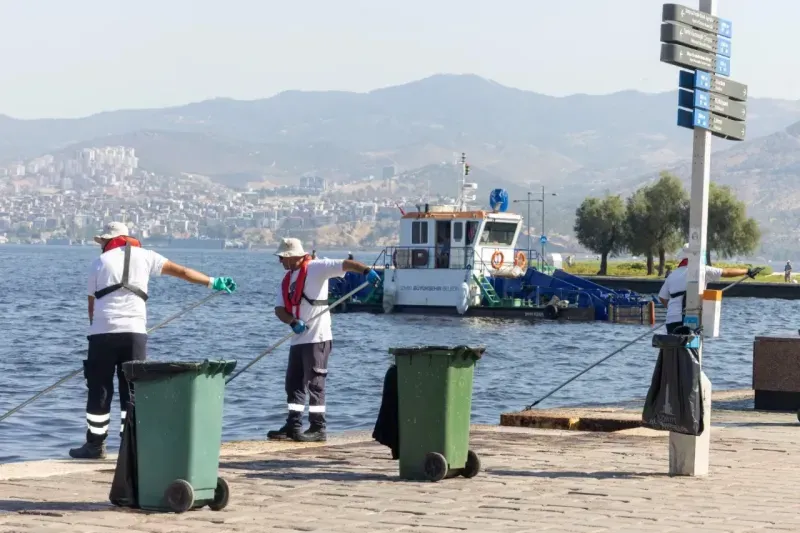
column 50, row 508
column 569, row 474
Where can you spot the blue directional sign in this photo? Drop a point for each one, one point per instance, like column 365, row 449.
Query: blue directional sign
column 683, row 56
column 718, row 125
column 543, row 239
column 709, row 82
column 699, row 39
column 692, row 99
column 697, row 19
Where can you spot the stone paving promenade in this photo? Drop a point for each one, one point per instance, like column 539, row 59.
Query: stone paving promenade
column 533, row 480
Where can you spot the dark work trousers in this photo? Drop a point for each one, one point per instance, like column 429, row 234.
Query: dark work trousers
column 107, row 352
column 307, row 368
column 672, row 326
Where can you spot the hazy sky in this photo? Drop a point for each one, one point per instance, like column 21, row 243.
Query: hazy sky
column 66, row 58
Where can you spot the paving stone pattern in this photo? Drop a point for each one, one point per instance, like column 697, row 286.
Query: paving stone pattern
column 532, row 480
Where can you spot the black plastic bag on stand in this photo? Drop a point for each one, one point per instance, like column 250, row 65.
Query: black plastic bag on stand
column 125, row 486
column 387, row 430
column 675, row 399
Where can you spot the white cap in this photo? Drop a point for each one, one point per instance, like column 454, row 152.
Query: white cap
column 112, row 229
column 290, row 247
column 684, row 253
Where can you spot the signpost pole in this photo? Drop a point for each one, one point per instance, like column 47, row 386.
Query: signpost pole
column 543, row 233
column 689, row 455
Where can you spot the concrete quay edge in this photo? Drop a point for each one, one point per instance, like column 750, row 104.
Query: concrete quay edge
column 608, row 418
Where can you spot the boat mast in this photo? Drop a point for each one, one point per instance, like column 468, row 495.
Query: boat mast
column 463, row 186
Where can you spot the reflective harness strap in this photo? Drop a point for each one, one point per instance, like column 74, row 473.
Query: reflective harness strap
column 314, row 302
column 124, row 283
column 680, row 294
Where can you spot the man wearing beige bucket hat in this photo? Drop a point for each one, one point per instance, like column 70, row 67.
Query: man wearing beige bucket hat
column 117, row 291
column 304, row 288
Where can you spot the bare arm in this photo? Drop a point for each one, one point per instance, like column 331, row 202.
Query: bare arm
column 91, row 309
column 185, row 273
column 734, row 272
column 663, row 301
column 284, row 316
column 349, row 265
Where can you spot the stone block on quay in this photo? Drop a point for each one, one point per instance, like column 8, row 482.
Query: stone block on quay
column 776, row 373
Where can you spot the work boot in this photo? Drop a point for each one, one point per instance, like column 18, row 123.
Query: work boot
column 286, row 432
column 312, row 434
column 89, row 450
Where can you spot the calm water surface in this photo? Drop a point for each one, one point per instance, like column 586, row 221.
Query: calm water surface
column 43, row 319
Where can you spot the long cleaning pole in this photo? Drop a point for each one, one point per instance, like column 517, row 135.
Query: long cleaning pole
column 76, row 372
column 290, row 335
column 615, row 352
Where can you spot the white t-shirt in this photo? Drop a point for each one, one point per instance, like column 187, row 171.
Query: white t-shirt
column 316, row 288
column 122, row 311
column 676, row 282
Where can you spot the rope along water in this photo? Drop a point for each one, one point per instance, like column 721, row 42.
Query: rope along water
column 290, row 335
column 76, row 372
column 615, row 352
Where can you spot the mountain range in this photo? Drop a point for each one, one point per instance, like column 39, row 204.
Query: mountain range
column 575, row 146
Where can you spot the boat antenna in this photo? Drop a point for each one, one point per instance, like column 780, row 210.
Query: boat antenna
column 461, row 204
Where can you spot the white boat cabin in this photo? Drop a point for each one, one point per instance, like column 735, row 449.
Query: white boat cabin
column 443, row 238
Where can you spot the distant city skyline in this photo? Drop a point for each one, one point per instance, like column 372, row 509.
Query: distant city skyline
column 66, row 60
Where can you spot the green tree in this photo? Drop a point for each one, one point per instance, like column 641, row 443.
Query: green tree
column 600, row 227
column 637, row 216
column 730, row 231
column 657, row 218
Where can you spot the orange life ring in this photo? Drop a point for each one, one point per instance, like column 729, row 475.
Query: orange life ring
column 497, row 259
column 520, row 260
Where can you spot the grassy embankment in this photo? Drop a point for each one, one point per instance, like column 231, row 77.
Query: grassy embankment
column 638, row 269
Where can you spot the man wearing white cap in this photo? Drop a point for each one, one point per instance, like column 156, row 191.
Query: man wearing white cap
column 673, row 292
column 302, row 295
column 117, row 291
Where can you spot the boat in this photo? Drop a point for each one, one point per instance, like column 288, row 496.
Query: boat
column 463, row 260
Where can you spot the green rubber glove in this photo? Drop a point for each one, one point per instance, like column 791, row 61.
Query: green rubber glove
column 222, row 284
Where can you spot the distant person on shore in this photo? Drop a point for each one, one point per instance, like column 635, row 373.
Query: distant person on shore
column 302, row 295
column 117, row 291
column 673, row 292
column 350, row 256
column 787, row 271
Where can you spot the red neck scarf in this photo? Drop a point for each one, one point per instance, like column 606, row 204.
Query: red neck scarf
column 119, row 242
column 683, row 263
column 292, row 301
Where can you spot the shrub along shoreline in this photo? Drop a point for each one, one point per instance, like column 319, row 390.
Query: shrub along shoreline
column 638, row 269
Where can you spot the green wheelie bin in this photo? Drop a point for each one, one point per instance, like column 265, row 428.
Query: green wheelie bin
column 434, row 402
column 178, row 433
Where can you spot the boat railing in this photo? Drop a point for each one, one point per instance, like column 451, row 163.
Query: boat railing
column 428, row 257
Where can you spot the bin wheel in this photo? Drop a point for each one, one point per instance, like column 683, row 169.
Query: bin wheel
column 798, row 415
column 435, row 466
column 473, row 465
column 221, row 495
column 179, row 496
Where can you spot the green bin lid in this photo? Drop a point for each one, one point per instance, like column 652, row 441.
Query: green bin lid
column 147, row 370
column 461, row 350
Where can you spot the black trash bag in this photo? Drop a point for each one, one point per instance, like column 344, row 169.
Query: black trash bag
column 386, row 430
column 675, row 401
column 125, row 485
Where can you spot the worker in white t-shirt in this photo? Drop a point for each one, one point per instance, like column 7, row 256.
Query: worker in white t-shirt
column 117, row 292
column 673, row 292
column 304, row 294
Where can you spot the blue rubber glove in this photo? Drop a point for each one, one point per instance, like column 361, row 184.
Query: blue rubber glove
column 222, row 284
column 373, row 277
column 298, row 326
